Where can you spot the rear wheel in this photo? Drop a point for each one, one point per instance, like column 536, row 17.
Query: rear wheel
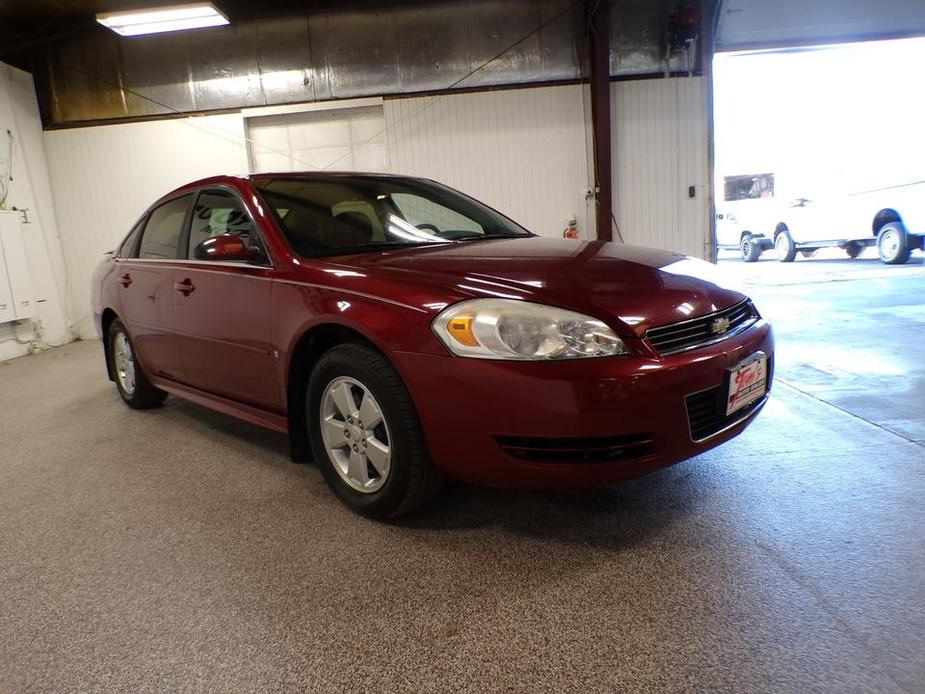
column 131, row 382
column 893, row 244
column 365, row 434
column 751, row 251
column 784, row 246
column 854, row 249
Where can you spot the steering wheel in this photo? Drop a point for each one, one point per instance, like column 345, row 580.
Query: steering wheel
column 429, row 227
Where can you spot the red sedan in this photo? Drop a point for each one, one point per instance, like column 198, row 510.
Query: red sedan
column 403, row 333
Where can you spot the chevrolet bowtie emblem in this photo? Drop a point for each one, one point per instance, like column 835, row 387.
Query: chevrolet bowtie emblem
column 719, row 326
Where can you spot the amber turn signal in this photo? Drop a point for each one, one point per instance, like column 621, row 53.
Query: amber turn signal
column 460, row 328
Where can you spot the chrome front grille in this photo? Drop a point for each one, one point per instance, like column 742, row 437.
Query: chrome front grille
column 697, row 332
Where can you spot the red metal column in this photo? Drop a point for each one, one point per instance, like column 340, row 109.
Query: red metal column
column 599, row 50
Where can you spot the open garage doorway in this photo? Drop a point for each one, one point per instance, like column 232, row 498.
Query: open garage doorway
column 820, row 154
column 820, row 159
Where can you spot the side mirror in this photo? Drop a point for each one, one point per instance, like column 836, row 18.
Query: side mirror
column 227, row 247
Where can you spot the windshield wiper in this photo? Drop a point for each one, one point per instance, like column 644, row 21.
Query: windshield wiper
column 372, row 247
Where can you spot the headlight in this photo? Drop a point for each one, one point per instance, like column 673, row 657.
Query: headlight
column 510, row 329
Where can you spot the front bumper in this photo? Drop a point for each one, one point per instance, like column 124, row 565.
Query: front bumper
column 471, row 410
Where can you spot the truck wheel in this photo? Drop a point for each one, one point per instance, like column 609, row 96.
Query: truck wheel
column 854, row 249
column 786, row 249
column 893, row 244
column 751, row 251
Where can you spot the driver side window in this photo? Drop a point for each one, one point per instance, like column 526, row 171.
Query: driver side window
column 220, row 212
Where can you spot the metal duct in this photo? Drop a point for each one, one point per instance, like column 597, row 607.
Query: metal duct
column 331, row 55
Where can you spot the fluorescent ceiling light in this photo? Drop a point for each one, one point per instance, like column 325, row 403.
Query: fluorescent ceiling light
column 161, row 19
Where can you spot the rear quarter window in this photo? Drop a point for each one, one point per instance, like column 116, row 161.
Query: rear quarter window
column 129, row 247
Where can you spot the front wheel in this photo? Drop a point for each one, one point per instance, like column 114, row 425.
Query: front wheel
column 131, row 382
column 893, row 244
column 751, row 251
column 366, row 435
column 785, row 247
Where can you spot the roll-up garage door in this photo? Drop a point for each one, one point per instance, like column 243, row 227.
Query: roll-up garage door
column 746, row 24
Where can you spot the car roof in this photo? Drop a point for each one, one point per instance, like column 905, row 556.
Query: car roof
column 234, row 178
column 227, row 178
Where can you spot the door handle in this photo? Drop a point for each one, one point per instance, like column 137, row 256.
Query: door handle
column 185, row 287
column 126, row 280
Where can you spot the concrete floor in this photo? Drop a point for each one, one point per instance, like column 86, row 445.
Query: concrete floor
column 178, row 549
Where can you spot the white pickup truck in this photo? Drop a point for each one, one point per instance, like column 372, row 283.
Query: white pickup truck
column 892, row 218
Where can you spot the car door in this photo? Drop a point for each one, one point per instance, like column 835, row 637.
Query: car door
column 222, row 309
column 146, row 266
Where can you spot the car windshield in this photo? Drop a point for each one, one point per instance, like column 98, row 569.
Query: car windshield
column 356, row 214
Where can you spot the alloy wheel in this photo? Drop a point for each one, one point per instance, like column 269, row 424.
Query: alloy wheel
column 356, row 434
column 124, row 362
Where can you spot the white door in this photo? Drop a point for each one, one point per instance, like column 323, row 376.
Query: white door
column 348, row 139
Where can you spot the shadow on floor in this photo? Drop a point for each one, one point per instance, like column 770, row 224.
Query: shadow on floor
column 614, row 517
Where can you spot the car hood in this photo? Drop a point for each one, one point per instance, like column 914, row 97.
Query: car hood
column 635, row 287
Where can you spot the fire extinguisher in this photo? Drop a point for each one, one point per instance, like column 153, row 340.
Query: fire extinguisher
column 571, row 229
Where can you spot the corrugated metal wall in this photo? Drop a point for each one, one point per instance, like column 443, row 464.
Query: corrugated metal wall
column 521, row 151
column 329, row 52
column 660, row 149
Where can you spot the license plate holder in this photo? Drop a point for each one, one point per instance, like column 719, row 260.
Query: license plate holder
column 747, row 382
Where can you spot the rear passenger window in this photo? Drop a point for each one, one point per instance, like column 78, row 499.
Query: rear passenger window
column 162, row 232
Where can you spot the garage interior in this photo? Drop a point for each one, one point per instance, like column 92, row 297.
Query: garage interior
column 180, row 549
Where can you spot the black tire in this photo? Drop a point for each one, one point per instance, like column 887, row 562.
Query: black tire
column 785, row 247
column 854, row 249
column 142, row 394
column 893, row 244
column 751, row 251
column 412, row 478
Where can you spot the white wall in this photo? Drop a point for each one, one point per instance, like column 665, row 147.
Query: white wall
column 660, row 147
column 31, row 189
column 104, row 177
column 521, row 151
